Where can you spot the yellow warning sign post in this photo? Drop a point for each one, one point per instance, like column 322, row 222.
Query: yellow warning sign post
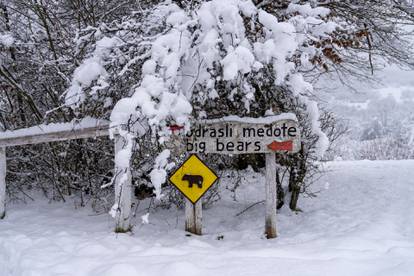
column 193, row 179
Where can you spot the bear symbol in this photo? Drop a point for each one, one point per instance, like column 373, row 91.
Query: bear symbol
column 193, row 179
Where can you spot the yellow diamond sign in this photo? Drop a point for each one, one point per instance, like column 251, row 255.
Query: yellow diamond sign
column 193, row 178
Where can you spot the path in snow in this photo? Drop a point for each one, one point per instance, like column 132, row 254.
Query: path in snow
column 362, row 223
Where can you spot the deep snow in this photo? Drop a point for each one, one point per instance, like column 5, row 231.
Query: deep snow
column 361, row 223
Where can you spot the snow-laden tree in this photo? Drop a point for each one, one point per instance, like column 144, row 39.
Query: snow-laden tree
column 219, row 58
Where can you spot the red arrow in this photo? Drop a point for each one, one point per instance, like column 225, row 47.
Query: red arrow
column 279, row 146
column 175, row 127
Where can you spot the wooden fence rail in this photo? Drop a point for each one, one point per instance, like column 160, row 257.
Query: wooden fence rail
column 89, row 128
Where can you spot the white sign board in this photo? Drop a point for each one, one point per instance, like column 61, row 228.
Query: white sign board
column 235, row 135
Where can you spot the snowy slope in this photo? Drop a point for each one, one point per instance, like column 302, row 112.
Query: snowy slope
column 362, row 223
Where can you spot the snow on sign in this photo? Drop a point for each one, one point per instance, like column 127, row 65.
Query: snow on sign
column 193, row 178
column 234, row 135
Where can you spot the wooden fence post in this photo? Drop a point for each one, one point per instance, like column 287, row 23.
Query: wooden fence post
column 123, row 195
column 2, row 182
column 271, row 196
column 193, row 217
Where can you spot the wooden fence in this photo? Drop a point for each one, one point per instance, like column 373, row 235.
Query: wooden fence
column 62, row 132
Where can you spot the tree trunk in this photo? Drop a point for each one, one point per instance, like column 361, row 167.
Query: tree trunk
column 280, row 192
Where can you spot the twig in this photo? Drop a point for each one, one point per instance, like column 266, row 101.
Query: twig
column 251, row 206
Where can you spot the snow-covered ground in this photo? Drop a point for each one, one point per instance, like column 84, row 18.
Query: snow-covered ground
column 361, row 223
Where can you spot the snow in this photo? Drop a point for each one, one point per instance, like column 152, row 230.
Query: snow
column 91, row 69
column 306, row 9
column 267, row 19
column 299, row 85
column 76, row 124
column 361, row 223
column 261, row 120
column 154, row 96
column 6, row 40
column 145, row 218
column 322, row 144
column 159, row 174
column 240, row 60
column 123, row 156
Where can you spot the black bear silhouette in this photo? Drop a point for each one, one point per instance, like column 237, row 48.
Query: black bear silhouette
column 193, row 179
